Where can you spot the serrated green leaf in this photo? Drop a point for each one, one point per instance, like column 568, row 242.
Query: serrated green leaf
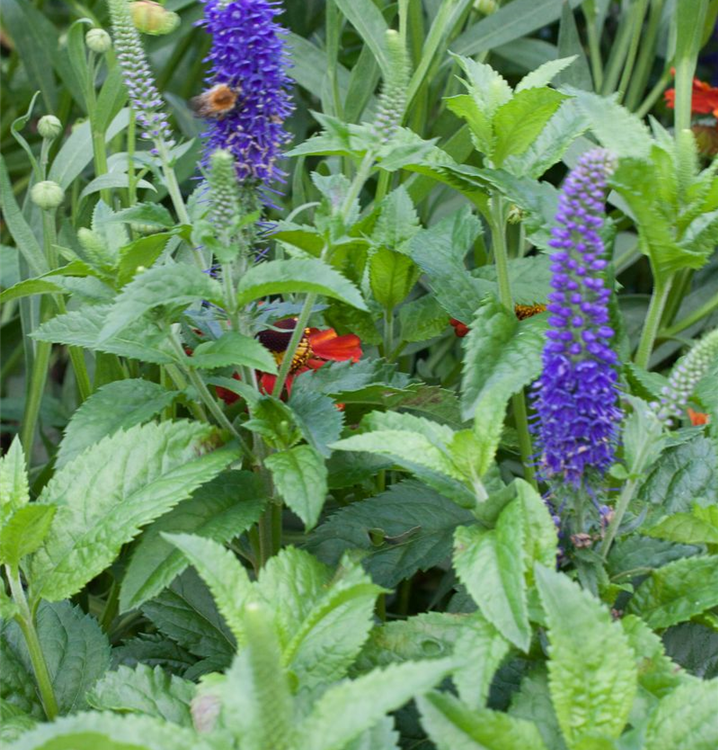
column 308, row 275
column 24, row 532
column 592, row 673
column 686, row 719
column 219, row 510
column 532, row 702
column 518, row 123
column 698, row 527
column 235, row 349
column 76, row 651
column 677, row 591
column 28, row 288
column 455, row 727
column 256, row 699
column 617, row 129
column 110, row 732
column 422, row 319
column 144, row 690
column 398, row 221
column 316, row 416
column 185, row 612
column 391, row 276
column 694, row 647
column 544, row 74
column 300, row 476
column 141, row 339
column 171, row 286
column 116, row 406
column 227, row 579
column 13, row 722
column 364, row 701
column 330, row 629
column 142, row 252
column 490, row 565
column 502, row 356
column 101, row 505
column 14, row 488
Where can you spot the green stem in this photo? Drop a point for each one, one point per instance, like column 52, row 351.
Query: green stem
column 388, row 332
column 27, row 625
column 34, row 393
column 293, row 344
column 594, row 49
column 109, row 611
column 652, row 323
column 619, row 50
column 624, row 500
column 501, row 260
column 99, row 148
column 641, row 6
column 654, row 94
column 696, row 316
column 646, row 56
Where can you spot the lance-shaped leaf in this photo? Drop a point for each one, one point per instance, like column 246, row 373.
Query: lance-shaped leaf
column 686, row 719
column 234, row 349
column 144, row 690
column 24, row 532
column 116, row 406
column 308, row 275
column 490, row 564
column 108, row 493
column 592, row 672
column 218, row 510
column 222, row 572
column 453, row 726
column 362, row 702
column 14, row 489
column 677, row 591
column 300, row 477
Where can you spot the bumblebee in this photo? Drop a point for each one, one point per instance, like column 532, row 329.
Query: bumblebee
column 217, row 102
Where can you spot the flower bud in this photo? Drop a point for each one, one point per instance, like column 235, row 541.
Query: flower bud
column 98, row 40
column 95, row 247
column 47, row 195
column 487, row 7
column 152, row 18
column 49, row 127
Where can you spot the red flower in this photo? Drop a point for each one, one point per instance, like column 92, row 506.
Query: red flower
column 704, row 98
column 697, row 418
column 460, row 329
column 316, row 348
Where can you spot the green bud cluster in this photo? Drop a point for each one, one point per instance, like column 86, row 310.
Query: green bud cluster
column 392, row 100
column 684, row 378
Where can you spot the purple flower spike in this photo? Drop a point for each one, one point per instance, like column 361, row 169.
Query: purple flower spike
column 576, row 395
column 249, row 56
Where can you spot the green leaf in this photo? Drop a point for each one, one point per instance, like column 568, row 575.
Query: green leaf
column 29, row 287
column 144, row 690
column 518, row 123
column 95, row 730
column 617, row 129
column 219, row 510
column 76, row 651
column 24, row 532
column 502, row 356
column 234, row 349
column 482, row 649
column 227, row 579
column 490, row 565
column 172, row 286
column 316, row 416
column 113, row 180
column 544, row 74
column 300, row 476
column 532, row 702
column 141, row 339
column 143, row 251
column 409, row 527
column 698, row 527
column 102, row 505
column 686, row 719
column 14, row 489
column 694, row 647
column 116, row 406
column 256, row 698
column 369, row 22
column 592, row 673
column 422, row 319
column 569, row 43
column 391, row 276
column 186, row 613
column 322, row 635
column 308, row 275
column 365, row 700
column 455, row 727
column 398, row 221
column 17, row 686
column 677, row 591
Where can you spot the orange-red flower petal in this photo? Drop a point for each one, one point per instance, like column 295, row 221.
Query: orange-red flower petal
column 697, row 418
column 329, row 346
column 704, row 98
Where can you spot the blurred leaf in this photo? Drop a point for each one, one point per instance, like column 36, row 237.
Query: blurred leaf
column 369, row 22
column 584, row 641
column 569, row 43
column 234, row 349
column 677, row 591
column 24, row 532
column 694, row 647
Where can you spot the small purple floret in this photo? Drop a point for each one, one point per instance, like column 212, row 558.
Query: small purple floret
column 576, row 396
column 249, row 55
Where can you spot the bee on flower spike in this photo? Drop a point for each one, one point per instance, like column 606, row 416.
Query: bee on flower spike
column 215, row 103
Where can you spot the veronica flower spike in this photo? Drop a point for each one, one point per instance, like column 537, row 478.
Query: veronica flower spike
column 248, row 99
column 576, row 396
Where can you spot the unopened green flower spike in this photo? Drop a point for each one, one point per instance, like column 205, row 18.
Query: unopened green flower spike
column 392, row 100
